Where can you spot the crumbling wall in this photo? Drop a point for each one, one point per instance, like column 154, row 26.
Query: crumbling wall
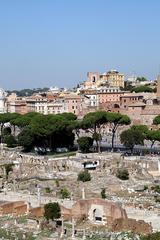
column 138, row 227
column 36, row 212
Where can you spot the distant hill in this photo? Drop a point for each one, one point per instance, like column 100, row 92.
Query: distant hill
column 28, row 92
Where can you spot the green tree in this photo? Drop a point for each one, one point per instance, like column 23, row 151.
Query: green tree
column 141, row 79
column 156, row 120
column 6, row 131
column 46, row 131
column 95, row 122
column 10, row 140
column 52, row 211
column 142, row 89
column 84, row 176
column 68, row 116
column 133, row 136
column 85, row 143
column 65, row 193
column 116, row 120
column 26, row 139
column 153, row 136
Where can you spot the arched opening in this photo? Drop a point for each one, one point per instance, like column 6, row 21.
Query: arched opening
column 116, row 105
column 97, row 215
column 94, row 79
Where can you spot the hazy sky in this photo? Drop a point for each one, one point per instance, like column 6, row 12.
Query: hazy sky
column 55, row 42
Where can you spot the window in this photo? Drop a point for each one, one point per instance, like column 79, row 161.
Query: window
column 93, row 79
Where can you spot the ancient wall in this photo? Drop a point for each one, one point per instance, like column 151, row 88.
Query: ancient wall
column 16, row 208
column 138, row 227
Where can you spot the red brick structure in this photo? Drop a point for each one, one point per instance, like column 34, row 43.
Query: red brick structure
column 95, row 210
column 139, row 227
column 15, row 208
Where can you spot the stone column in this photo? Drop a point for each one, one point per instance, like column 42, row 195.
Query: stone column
column 62, row 230
column 83, row 193
column 73, row 228
column 5, row 188
column 84, row 234
column 159, row 165
column 14, row 185
column 38, row 196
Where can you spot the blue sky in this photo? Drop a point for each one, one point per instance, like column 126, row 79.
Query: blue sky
column 55, row 42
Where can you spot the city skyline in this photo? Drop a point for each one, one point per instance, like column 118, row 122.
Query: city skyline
column 46, row 43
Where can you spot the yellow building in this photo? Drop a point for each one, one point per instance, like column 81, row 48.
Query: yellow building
column 111, row 78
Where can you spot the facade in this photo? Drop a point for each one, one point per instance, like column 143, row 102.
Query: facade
column 2, row 101
column 92, row 96
column 129, row 99
column 109, row 98
column 17, row 106
column 75, row 104
column 111, row 78
column 97, row 211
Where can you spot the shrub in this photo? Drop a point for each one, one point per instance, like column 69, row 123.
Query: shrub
column 84, row 176
column 103, row 193
column 145, row 187
column 8, row 168
column 65, row 193
column 122, row 174
column 57, row 183
column 52, row 211
column 48, row 190
column 156, row 188
column 153, row 236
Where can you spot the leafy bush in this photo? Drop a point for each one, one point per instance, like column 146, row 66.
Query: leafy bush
column 48, row 190
column 122, row 174
column 103, row 193
column 52, row 211
column 84, row 176
column 8, row 168
column 153, row 236
column 156, row 188
column 85, row 143
column 65, row 193
column 57, row 183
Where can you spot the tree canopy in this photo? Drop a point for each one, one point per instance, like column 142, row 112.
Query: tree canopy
column 153, row 136
column 156, row 120
column 141, row 79
column 52, row 211
column 85, row 143
column 142, row 89
column 116, row 120
column 133, row 136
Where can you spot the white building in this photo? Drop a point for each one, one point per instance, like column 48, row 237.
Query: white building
column 2, row 101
